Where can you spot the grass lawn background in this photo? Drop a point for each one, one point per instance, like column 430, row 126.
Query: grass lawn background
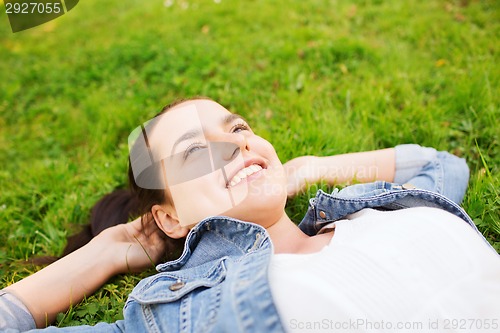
column 312, row 77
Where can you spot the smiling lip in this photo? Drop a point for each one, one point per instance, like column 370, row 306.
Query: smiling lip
column 251, row 168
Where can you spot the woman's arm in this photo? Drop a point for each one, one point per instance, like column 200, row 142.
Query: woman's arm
column 339, row 169
column 123, row 248
column 423, row 167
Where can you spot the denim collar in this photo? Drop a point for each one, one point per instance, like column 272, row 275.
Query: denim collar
column 326, row 208
column 216, row 237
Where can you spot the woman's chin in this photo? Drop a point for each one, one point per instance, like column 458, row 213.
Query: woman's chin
column 260, row 204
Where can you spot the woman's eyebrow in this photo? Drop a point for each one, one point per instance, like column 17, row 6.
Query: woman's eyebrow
column 232, row 117
column 196, row 132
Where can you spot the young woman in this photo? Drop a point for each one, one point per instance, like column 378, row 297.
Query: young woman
column 366, row 256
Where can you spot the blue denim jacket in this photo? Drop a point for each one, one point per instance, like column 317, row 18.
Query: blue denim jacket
column 220, row 284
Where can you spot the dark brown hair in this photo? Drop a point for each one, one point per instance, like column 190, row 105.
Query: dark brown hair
column 114, row 208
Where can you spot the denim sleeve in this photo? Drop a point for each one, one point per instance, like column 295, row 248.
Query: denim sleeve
column 13, row 314
column 117, row 327
column 432, row 170
column 16, row 318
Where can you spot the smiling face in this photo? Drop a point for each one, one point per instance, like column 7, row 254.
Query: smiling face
column 214, row 164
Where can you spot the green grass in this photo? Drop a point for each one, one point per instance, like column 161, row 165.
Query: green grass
column 313, row 77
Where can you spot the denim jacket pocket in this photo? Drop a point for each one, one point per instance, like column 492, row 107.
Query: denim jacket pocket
column 179, row 301
column 171, row 286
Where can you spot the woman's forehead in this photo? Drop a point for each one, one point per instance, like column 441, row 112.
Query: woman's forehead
column 189, row 118
column 205, row 107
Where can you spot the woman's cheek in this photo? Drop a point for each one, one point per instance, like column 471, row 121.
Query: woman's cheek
column 207, row 196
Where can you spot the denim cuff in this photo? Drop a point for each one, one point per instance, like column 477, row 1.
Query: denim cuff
column 410, row 159
column 13, row 314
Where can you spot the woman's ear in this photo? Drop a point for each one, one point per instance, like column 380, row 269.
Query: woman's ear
column 166, row 219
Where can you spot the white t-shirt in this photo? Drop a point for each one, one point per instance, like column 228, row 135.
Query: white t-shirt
column 410, row 270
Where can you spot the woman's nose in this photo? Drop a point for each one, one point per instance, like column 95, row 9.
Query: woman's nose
column 240, row 140
column 229, row 145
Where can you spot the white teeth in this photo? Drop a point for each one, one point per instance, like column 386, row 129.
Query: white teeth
column 243, row 173
column 255, row 167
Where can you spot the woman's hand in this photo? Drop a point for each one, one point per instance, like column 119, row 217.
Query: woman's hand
column 119, row 249
column 135, row 246
column 301, row 172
